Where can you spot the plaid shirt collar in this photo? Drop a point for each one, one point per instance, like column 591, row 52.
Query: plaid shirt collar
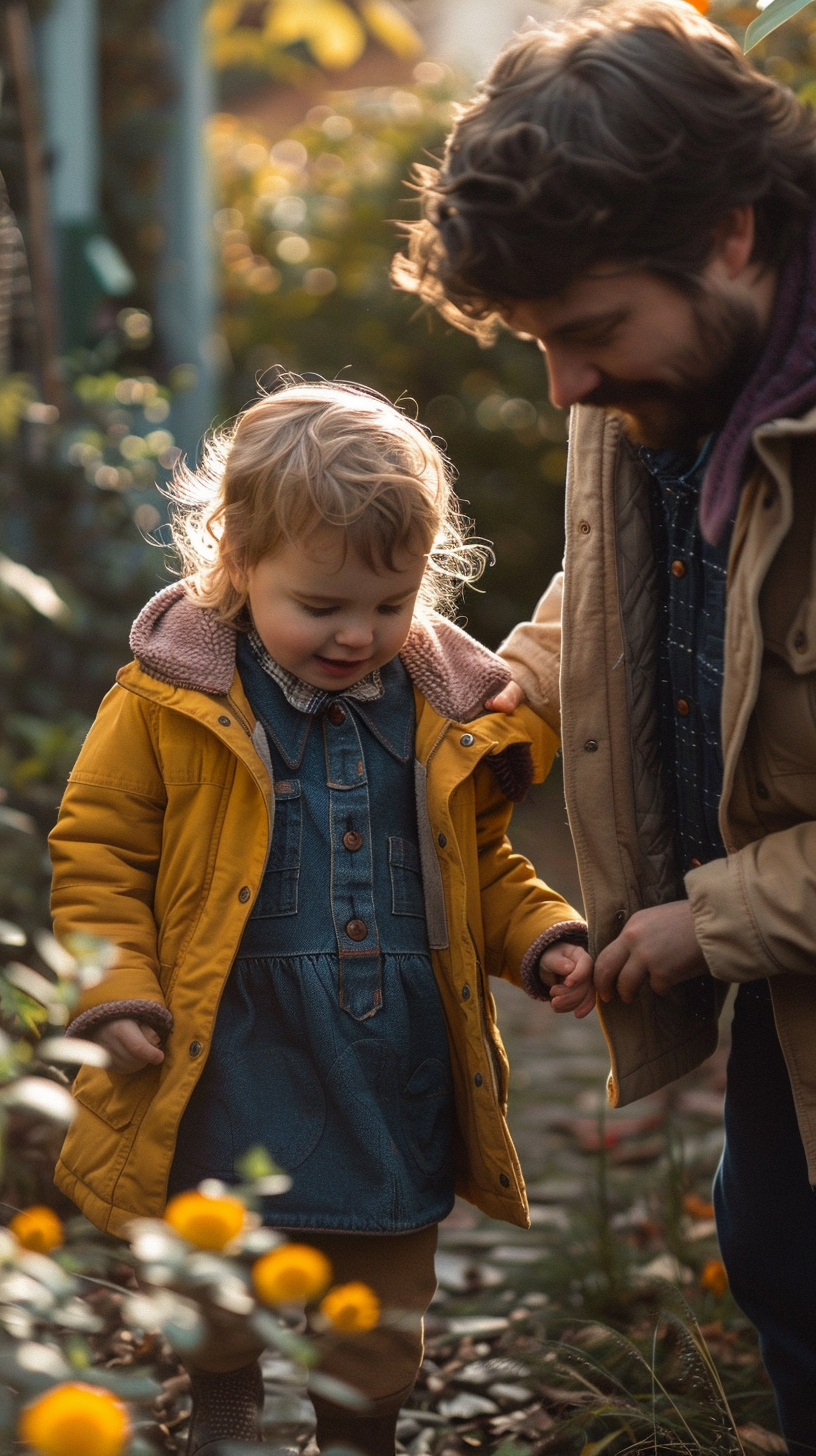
column 303, row 696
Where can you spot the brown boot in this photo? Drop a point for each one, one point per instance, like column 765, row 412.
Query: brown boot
column 374, row 1435
column 226, row 1409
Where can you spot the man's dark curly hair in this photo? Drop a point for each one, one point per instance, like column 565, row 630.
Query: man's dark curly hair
column 623, row 136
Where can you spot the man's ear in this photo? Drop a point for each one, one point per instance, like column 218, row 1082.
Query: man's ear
column 734, row 238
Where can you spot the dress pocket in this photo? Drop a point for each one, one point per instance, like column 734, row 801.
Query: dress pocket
column 407, row 896
column 278, row 894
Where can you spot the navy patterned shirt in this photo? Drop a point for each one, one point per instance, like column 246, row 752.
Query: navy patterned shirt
column 692, row 577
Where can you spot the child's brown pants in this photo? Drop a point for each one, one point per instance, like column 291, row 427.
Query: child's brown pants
column 382, row 1363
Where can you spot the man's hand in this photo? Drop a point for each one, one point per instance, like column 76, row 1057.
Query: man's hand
column 567, row 970
column 130, row 1044
column 507, row 700
column 658, row 945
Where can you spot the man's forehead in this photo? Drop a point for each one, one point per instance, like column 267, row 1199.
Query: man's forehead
column 585, row 302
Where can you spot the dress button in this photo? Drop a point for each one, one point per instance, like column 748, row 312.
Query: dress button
column 683, row 708
column 678, row 568
column 504, row 1180
column 244, row 894
column 694, row 864
column 591, row 745
column 441, row 840
column 467, row 740
column 195, row 1048
column 466, row 992
column 336, row 714
column 352, row 840
column 356, row 929
column 224, row 721
column 478, row 1079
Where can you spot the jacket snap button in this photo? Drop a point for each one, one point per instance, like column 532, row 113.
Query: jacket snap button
column 584, row 528
column 352, row 840
column 195, row 1048
column 224, row 721
column 762, row 790
column 283, row 786
column 478, row 1079
column 336, row 714
column 356, row 929
column 504, row 1180
column 244, row 894
column 441, row 840
column 800, row 642
column 683, row 707
column 591, row 745
column 466, row 992
column 678, row 568
column 467, row 740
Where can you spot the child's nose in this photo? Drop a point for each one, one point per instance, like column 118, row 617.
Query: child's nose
column 358, row 633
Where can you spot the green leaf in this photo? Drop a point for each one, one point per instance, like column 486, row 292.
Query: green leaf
column 771, row 18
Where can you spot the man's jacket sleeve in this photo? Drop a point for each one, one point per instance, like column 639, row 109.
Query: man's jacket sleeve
column 755, row 912
column 533, row 654
column 105, row 849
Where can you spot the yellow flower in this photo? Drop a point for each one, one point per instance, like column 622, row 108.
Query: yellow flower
column 351, row 1308
column 714, row 1277
column 37, row 1228
column 75, row 1420
column 290, row 1274
column 209, row 1223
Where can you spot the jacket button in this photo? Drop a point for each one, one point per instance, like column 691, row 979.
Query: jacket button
column 678, row 568
column 356, row 929
column 620, row 918
column 682, row 707
column 800, row 642
column 352, row 840
column 591, row 745
column 467, row 740
column 224, row 721
column 244, row 894
column 762, row 790
column 585, row 528
column 441, row 840
column 195, row 1048
column 336, row 714
column 466, row 992
column 478, row 1079
column 504, row 1180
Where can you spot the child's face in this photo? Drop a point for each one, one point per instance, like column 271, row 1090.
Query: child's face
column 327, row 616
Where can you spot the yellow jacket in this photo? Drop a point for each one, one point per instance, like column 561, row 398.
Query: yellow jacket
column 160, row 848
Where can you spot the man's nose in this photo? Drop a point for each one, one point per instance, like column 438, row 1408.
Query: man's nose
column 571, row 378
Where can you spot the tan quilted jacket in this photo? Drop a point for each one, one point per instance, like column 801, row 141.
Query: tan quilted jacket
column 755, row 912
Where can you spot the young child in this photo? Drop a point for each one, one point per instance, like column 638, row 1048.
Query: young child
column 290, row 820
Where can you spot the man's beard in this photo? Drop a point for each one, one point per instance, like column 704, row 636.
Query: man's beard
column 710, row 376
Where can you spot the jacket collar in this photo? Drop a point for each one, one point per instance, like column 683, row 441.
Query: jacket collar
column 178, row 642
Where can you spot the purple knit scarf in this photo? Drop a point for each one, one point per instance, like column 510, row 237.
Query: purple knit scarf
column 783, row 386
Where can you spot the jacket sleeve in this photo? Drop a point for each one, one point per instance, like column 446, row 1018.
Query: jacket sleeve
column 521, row 915
column 533, row 654
column 755, row 912
column 105, row 852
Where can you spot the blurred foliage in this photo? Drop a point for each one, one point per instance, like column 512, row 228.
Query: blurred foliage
column 305, row 233
column 289, row 39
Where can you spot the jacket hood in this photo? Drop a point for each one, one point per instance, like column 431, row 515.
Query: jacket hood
column 181, row 643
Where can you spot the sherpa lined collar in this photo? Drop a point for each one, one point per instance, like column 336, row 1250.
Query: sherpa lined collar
column 178, row 642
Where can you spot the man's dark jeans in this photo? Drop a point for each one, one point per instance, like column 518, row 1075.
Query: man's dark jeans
column 766, row 1214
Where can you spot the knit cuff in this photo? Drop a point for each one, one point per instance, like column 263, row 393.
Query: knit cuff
column 151, row 1012
column 574, row 932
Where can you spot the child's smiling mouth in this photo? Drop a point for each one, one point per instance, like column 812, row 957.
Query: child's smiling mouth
column 340, row 666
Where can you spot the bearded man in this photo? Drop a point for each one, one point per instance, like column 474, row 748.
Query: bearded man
column 628, row 191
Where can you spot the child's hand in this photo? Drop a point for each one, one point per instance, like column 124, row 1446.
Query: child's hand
column 567, row 971
column 130, row 1044
column 507, row 700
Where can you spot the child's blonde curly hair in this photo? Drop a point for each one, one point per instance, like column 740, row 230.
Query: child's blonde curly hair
column 315, row 454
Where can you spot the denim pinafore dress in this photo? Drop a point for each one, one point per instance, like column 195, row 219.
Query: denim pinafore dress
column 330, row 1048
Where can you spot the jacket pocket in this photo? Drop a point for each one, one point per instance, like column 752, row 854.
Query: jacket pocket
column 278, row 894
column 113, row 1098
column 407, row 896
